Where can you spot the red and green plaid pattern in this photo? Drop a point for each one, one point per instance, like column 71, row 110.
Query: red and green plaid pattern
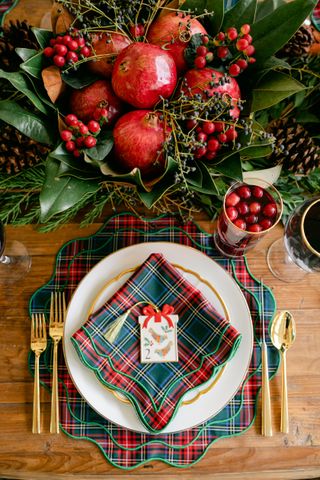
column 124, row 448
column 315, row 16
column 205, row 342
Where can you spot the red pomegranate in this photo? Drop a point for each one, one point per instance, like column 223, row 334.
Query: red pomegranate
column 108, row 44
column 142, row 73
column 138, row 139
column 173, row 27
column 199, row 82
column 84, row 102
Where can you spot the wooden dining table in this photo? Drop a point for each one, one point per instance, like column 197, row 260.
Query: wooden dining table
column 46, row 456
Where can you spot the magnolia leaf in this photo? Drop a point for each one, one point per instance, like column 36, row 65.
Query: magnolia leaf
column 194, row 178
column 26, row 122
column 274, row 30
column 80, row 78
column 230, row 168
column 149, row 198
column 265, row 8
column 26, row 53
column 243, row 12
column 52, row 82
column 273, row 88
column 61, row 18
column 34, row 65
column 60, row 193
column 21, row 83
column 43, row 36
column 208, row 185
column 216, row 20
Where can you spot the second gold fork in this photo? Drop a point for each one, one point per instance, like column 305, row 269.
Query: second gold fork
column 57, row 314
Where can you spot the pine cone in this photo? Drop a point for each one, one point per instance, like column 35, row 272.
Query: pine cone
column 299, row 45
column 18, row 151
column 16, row 35
column 294, row 148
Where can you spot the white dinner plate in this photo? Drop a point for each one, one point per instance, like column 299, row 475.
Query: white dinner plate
column 90, row 292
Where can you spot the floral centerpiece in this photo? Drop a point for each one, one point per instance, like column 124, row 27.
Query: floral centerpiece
column 157, row 103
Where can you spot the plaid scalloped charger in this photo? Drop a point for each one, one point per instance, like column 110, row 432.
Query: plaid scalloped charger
column 124, row 448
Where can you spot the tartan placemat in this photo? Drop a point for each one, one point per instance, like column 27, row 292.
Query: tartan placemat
column 124, row 448
column 206, row 342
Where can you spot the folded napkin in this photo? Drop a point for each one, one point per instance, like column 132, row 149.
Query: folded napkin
column 206, row 342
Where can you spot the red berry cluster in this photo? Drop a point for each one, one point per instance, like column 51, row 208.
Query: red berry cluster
column 67, row 49
column 137, row 30
column 251, row 208
column 232, row 46
column 79, row 135
column 212, row 136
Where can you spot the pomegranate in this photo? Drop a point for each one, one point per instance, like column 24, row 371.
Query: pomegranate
column 84, row 102
column 138, row 142
column 108, row 44
column 199, row 82
column 174, row 28
column 142, row 73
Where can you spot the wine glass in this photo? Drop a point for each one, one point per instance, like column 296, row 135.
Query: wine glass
column 14, row 259
column 250, row 210
column 290, row 258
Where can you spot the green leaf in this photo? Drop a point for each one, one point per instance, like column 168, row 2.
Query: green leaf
column 208, row 185
column 34, row 65
column 79, row 78
column 307, row 117
column 273, row 31
column 161, row 187
column 73, row 165
column 102, row 148
column 195, row 178
column 43, row 36
column 27, row 123
column 230, row 168
column 18, row 81
column 60, row 193
column 273, row 88
column 216, row 21
column 243, row 12
column 266, row 7
column 26, row 53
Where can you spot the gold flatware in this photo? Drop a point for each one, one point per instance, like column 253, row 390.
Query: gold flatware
column 38, row 345
column 57, row 315
column 266, row 420
column 283, row 334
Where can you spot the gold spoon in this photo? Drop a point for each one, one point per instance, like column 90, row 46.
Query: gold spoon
column 283, row 334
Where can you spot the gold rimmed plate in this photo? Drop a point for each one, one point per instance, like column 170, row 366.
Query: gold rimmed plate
column 207, row 404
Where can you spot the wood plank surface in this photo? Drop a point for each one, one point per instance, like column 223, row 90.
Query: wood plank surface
column 250, row 456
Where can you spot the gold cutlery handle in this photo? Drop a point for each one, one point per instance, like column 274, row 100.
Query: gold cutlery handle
column 54, row 421
column 284, row 396
column 266, row 425
column 36, row 398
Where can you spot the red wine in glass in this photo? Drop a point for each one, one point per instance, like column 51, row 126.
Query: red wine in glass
column 250, row 210
column 298, row 252
column 14, row 259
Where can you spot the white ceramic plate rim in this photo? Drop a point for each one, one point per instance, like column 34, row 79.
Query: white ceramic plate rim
column 208, row 404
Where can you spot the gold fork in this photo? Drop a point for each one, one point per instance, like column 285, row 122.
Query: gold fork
column 38, row 345
column 57, row 314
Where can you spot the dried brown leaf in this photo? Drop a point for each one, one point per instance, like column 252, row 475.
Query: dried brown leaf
column 61, row 18
column 53, row 82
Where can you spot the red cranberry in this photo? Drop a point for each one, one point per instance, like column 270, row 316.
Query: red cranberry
column 66, row 39
column 210, row 155
column 60, row 49
column 59, row 61
column 202, row 137
column 248, row 38
column 232, row 199
column 72, row 57
column 244, row 192
column 83, row 129
column 202, row 51
column 234, row 70
column 191, row 124
column 222, row 137
column 76, row 153
column 270, row 210
column 208, row 127
column 200, row 62
column 232, row 33
column 48, row 52
column 243, row 208
column 242, row 63
column 240, row 223
column 255, row 208
column 232, row 213
column 200, row 152
column 257, row 192
column 71, row 120
column 79, row 141
column 70, row 146
column 93, row 126
column 222, row 52
column 205, row 39
column 85, row 51
column 250, row 50
column 90, row 141
column 219, row 127
column 221, row 36
column 81, row 42
column 245, row 28
column 213, row 145
column 250, row 219
column 231, row 134
column 66, row 135
column 242, row 44
column 265, row 223
column 255, row 228
column 72, row 45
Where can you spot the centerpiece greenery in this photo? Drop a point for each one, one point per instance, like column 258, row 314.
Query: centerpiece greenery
column 244, row 96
